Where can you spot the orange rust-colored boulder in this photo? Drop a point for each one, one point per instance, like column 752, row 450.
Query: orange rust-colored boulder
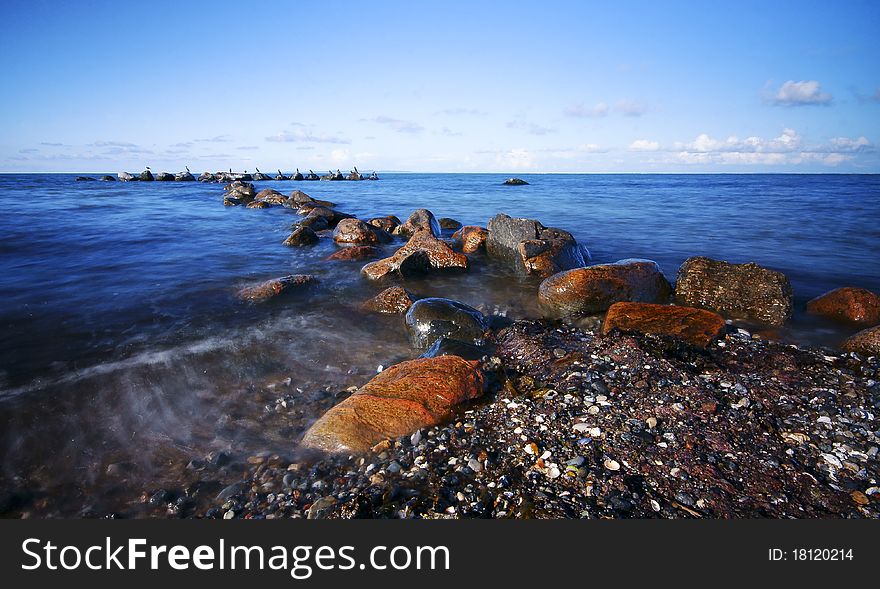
column 398, row 401
column 355, row 252
column 394, row 300
column 848, row 304
column 471, row 238
column 697, row 327
column 865, row 342
column 272, row 288
column 422, row 253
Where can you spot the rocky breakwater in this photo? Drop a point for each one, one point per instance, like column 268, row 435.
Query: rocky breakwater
column 532, row 249
column 422, row 253
column 398, row 401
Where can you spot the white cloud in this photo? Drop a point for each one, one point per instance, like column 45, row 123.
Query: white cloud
column 302, row 134
column 398, row 125
column 643, row 145
column 630, row 108
column 581, row 111
column 801, row 93
column 515, row 159
column 850, row 145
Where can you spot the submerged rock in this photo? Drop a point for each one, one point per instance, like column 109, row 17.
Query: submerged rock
column 333, row 217
column 398, row 401
column 388, row 223
column 270, row 289
column 352, row 253
column 449, row 224
column 515, row 182
column 84, row 179
column 356, row 232
column 591, row 290
column 740, row 291
column 301, row 236
column 471, row 238
column 531, row 248
column 420, row 219
column 430, row 319
column 856, row 305
column 865, row 342
column 697, row 327
column 394, row 300
column 422, row 253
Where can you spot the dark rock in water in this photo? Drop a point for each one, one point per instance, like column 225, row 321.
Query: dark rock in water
column 281, row 177
column 84, row 179
column 515, row 182
column 471, row 238
column 451, row 347
column 232, row 201
column 315, row 222
column 531, row 248
column 449, row 224
column 697, row 327
column 430, row 319
column 394, row 300
column 353, row 253
column 398, row 401
column 260, row 176
column 271, row 196
column 388, row 223
column 146, row 176
column 259, row 204
column 356, row 232
column 298, row 176
column 164, row 177
column 184, row 177
column 241, row 191
column 108, row 179
column 300, row 198
column 865, row 342
column 855, row 305
column 272, row 288
column 333, row 217
column 420, row 219
column 301, row 236
column 422, row 253
column 741, row 291
column 206, row 177
column 126, row 177
column 591, row 290
column 245, row 177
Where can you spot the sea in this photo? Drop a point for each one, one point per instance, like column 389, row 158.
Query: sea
column 125, row 354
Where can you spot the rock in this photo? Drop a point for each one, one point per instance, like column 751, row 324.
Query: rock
column 865, row 342
column 299, row 197
column 126, row 177
column 397, row 402
column 450, row 347
column 272, row 288
column 471, row 238
column 531, row 248
column 592, row 290
column 389, row 223
column 333, row 217
column 165, row 177
column 184, row 177
column 316, row 223
column 261, row 176
column 108, row 179
column 146, row 176
column 420, row 219
column 271, row 196
column 394, row 300
column 84, row 179
column 356, row 252
column 856, row 305
column 449, row 224
column 515, row 182
column 741, row 291
column 243, row 191
column 231, row 201
column 422, row 253
column 355, row 231
column 430, row 319
column 697, row 327
column 258, row 204
column 301, row 236
column 206, row 177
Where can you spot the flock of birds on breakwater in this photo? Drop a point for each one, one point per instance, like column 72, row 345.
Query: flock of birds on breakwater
column 230, row 176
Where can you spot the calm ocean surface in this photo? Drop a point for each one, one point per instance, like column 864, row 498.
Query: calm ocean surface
column 119, row 326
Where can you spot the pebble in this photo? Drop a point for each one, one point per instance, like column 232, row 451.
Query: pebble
column 475, row 465
column 611, row 464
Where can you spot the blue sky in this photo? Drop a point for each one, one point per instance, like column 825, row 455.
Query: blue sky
column 441, row 87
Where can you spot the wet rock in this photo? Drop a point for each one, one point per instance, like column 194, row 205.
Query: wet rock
column 84, row 179
column 515, row 182
column 420, row 219
column 697, row 327
column 271, row 196
column 430, row 319
column 206, row 177
column 314, row 222
column 449, row 224
column 272, row 288
column 258, row 204
column 356, row 232
column 165, row 177
column 398, row 401
column 333, row 217
column 531, row 248
column 387, row 223
column 856, row 305
column 356, row 252
column 592, row 290
column 394, row 300
column 740, row 291
column 422, row 253
column 866, row 342
column 471, row 238
column 184, row 177
column 241, row 191
column 126, row 177
column 108, row 178
column 451, row 347
column 301, row 236
column 146, row 176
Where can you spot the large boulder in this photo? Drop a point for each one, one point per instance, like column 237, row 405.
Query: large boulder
column 740, row 291
column 271, row 196
column 394, row 300
column 108, row 178
column 471, row 238
column 299, row 197
column 396, row 402
column 697, row 327
column 420, row 219
column 270, row 289
column 856, row 305
column 356, row 232
column 865, row 342
column 242, row 191
column 301, row 236
column 515, row 182
column 352, row 253
column 388, row 223
column 422, row 253
column 430, row 319
column 333, row 217
column 165, row 177
column 146, row 176
column 126, row 177
column 448, row 224
column 185, row 176
column 592, row 290
column 531, row 248
column 314, row 222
